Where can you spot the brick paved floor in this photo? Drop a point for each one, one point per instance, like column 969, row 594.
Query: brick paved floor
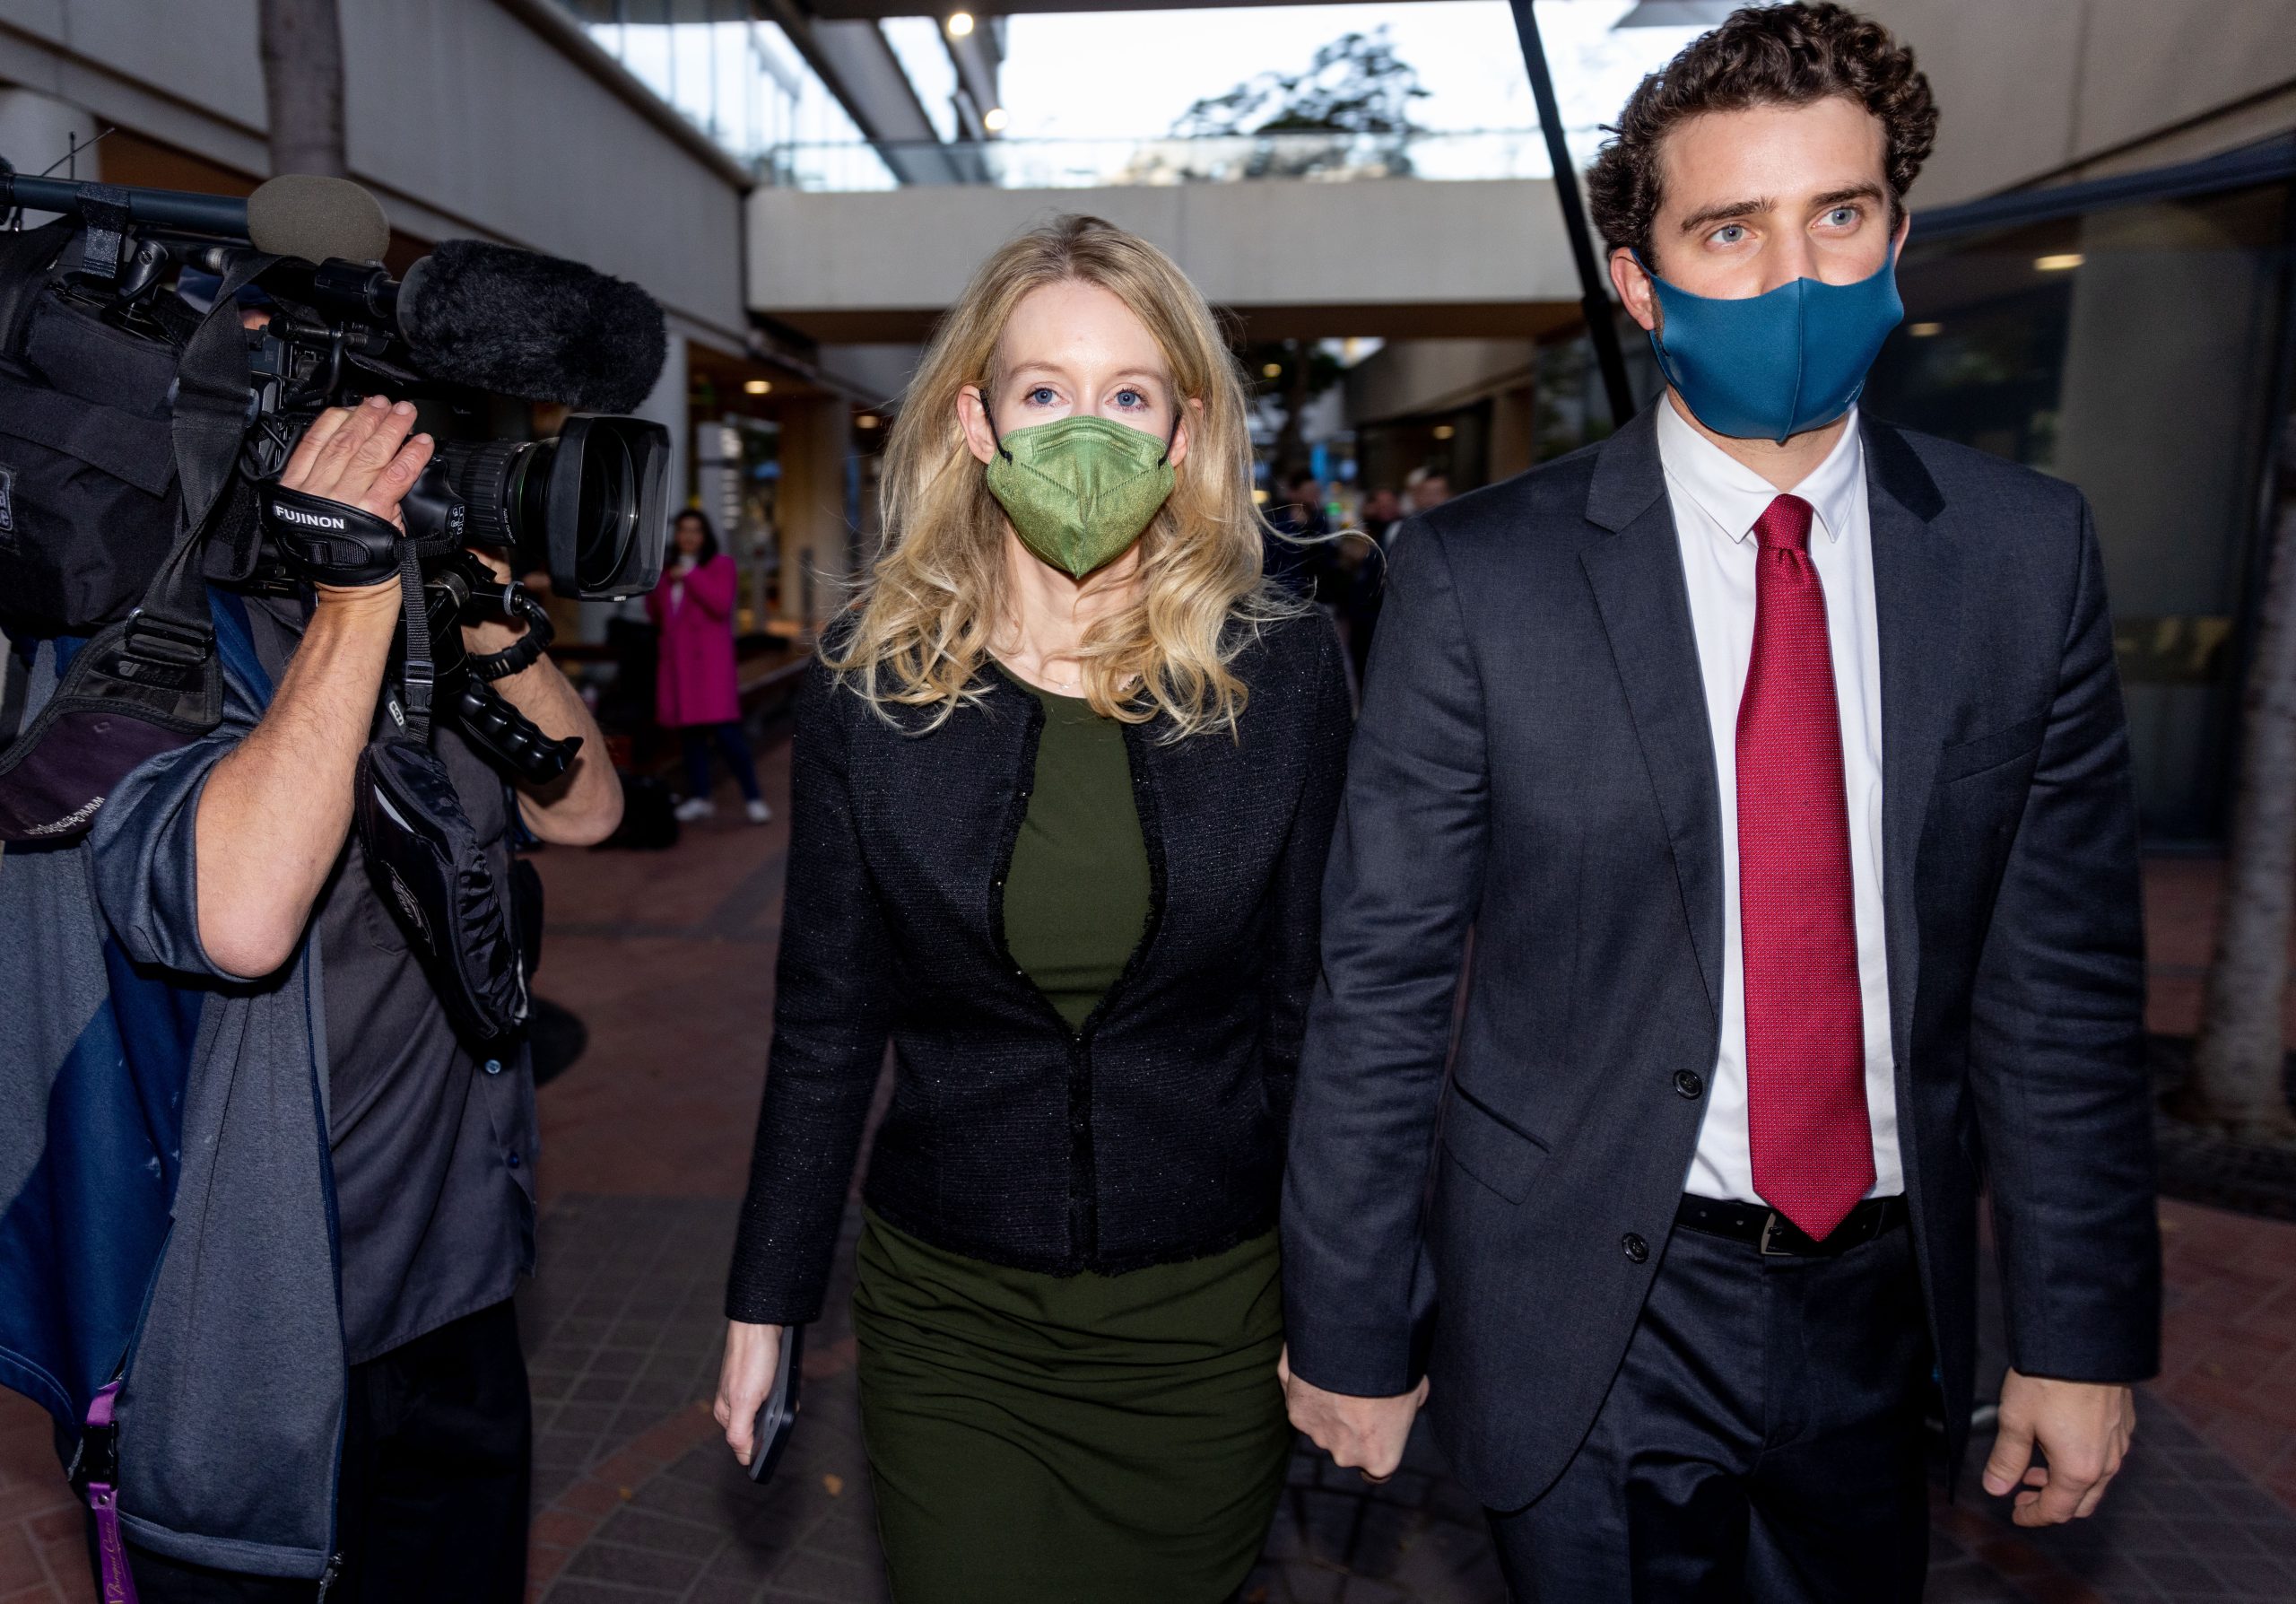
column 668, row 959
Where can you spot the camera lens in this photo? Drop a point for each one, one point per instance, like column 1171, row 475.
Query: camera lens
column 591, row 507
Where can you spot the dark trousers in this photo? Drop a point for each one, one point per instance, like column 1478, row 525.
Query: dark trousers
column 435, row 1467
column 733, row 746
column 1762, row 1444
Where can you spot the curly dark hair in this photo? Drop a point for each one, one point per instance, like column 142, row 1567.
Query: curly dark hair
column 1763, row 56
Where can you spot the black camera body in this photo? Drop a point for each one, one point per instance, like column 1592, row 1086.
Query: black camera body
column 588, row 507
column 161, row 354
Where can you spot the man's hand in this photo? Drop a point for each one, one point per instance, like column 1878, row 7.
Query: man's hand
column 276, row 808
column 361, row 456
column 1364, row 1434
column 752, row 1354
column 581, row 806
column 490, row 635
column 2082, row 1428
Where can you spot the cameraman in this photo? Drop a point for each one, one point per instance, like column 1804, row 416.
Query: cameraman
column 431, row 1146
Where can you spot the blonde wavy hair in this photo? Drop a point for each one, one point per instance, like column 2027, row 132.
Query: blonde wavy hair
column 917, row 632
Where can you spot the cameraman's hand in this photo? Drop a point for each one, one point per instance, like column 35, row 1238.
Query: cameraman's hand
column 362, row 456
column 583, row 805
column 490, row 635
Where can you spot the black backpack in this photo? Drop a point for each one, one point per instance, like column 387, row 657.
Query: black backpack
column 120, row 498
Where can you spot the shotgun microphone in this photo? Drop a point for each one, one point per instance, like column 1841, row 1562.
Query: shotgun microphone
column 500, row 318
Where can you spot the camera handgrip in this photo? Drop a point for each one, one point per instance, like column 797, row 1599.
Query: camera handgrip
column 491, row 724
column 330, row 542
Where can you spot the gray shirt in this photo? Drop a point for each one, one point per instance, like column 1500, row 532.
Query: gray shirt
column 433, row 1145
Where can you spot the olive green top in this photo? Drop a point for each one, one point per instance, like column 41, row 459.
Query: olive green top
column 1076, row 893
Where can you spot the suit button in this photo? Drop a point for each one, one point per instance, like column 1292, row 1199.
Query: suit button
column 1637, row 1250
column 1690, row 1082
column 493, row 1065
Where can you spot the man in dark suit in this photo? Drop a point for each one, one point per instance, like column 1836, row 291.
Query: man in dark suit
column 1775, row 759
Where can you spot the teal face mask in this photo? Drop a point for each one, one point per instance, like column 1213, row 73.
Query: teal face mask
column 1079, row 491
column 1774, row 365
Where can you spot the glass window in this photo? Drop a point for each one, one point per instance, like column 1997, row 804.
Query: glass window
column 2131, row 351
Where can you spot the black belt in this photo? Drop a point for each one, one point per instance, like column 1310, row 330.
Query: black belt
column 1779, row 1237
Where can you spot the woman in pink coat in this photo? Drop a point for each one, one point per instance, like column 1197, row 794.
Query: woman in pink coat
column 695, row 692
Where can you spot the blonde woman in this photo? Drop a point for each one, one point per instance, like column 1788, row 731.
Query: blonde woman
column 1062, row 787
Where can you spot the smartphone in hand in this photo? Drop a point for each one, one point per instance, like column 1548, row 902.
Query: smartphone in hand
column 778, row 1414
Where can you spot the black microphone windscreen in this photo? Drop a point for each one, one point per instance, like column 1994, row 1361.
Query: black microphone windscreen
column 500, row 319
column 302, row 214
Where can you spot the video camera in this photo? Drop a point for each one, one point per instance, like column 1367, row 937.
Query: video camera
column 161, row 353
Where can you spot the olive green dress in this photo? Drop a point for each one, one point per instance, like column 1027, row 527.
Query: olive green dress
column 1039, row 1439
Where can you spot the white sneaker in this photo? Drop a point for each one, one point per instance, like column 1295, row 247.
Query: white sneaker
column 760, row 814
column 696, row 807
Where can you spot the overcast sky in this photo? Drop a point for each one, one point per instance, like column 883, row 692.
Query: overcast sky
column 1127, row 74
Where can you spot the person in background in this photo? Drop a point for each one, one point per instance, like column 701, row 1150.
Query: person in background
column 1430, row 489
column 1295, row 523
column 1382, row 511
column 1062, row 787
column 696, row 691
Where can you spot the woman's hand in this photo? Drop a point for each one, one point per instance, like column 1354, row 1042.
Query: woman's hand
column 744, row 1378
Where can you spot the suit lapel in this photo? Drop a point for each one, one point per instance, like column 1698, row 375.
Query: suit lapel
column 1916, row 576
column 1644, row 601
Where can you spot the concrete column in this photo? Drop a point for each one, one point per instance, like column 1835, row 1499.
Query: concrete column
column 818, row 556
column 37, row 129
column 2163, row 366
column 1513, row 431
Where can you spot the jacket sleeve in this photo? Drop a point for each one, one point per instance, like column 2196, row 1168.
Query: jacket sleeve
column 2056, row 1065
column 1403, row 887
column 145, row 848
column 1297, row 896
column 712, row 585
column 832, row 1019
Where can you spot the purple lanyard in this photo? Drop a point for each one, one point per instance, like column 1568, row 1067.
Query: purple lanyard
column 103, row 1497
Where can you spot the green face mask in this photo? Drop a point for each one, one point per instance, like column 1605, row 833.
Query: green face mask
column 1079, row 491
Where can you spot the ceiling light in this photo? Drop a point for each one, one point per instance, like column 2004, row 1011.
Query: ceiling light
column 1444, row 431
column 960, row 23
column 757, row 386
column 1260, row 497
column 996, row 120
column 2063, row 262
column 867, row 420
column 1271, row 371
column 1922, row 331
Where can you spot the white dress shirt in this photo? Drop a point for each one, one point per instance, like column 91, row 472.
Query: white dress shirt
column 1716, row 500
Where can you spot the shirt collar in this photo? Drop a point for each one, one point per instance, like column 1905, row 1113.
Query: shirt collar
column 1734, row 495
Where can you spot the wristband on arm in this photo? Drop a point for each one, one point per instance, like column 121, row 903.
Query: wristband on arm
column 330, row 542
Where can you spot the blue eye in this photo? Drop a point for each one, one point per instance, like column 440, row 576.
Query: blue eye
column 1842, row 216
column 1130, row 398
column 1729, row 233
column 1039, row 396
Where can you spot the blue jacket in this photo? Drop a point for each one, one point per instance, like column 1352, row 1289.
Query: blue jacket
column 166, row 1208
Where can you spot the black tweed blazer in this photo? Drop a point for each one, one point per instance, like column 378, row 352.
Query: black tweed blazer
column 1155, row 1133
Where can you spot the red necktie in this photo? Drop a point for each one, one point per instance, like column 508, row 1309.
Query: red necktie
column 1812, row 1142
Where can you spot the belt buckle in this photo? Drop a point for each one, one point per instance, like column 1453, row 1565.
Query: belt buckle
column 1768, row 1230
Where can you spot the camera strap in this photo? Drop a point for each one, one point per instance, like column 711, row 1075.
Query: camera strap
column 209, row 418
column 426, row 861
column 418, row 676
